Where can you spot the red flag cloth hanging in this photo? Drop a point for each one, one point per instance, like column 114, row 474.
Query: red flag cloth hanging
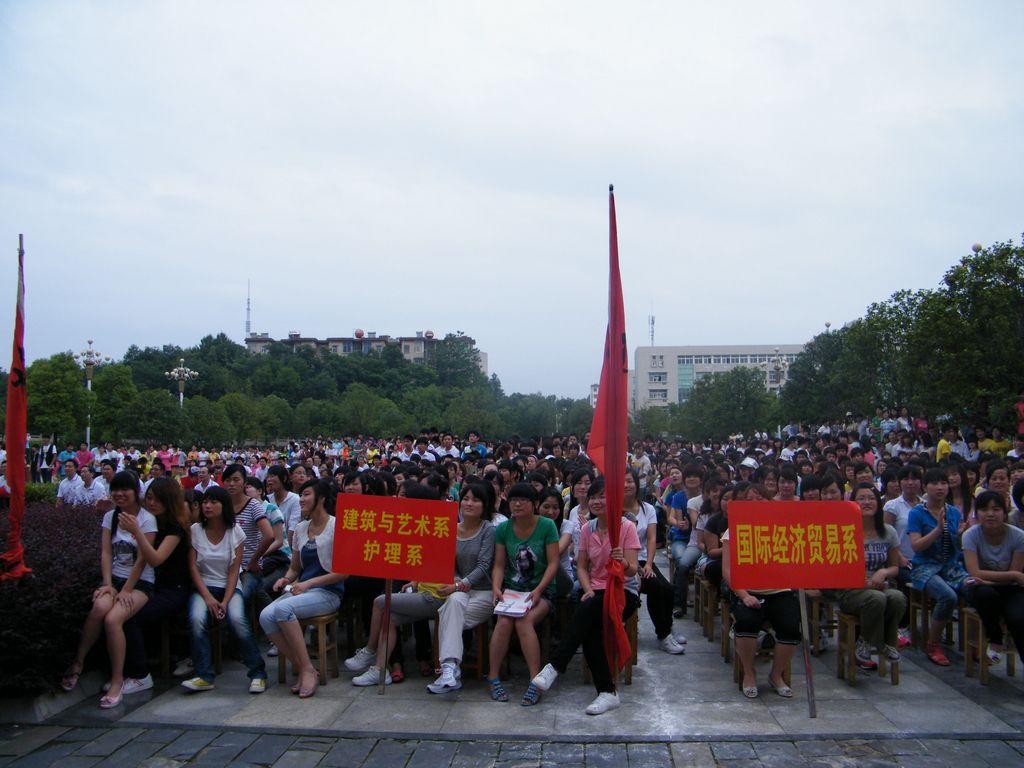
column 13, row 560
column 607, row 446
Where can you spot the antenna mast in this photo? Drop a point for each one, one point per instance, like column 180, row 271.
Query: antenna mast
column 248, row 309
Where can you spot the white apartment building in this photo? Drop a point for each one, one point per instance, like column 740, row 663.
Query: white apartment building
column 663, row 375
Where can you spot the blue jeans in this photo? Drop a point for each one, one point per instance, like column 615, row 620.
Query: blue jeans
column 686, row 557
column 199, row 618
column 289, row 607
column 946, row 597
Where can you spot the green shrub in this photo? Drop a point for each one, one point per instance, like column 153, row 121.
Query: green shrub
column 45, row 492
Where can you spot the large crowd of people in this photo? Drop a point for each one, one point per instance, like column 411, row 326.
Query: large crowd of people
column 204, row 533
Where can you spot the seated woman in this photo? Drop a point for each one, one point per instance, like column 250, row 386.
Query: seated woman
column 659, row 592
column 127, row 584
column 994, row 556
column 525, row 560
column 878, row 606
column 215, row 562
column 552, row 506
column 711, row 566
column 168, row 554
column 309, row 587
column 750, row 610
column 587, row 623
column 937, row 568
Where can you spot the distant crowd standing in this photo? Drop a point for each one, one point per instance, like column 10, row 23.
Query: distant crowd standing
column 204, row 533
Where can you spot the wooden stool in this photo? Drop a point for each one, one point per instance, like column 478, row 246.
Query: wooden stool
column 708, row 607
column 726, row 611
column 737, row 667
column 920, row 607
column 976, row 647
column 822, row 616
column 475, row 668
column 631, row 630
column 846, row 658
column 697, row 582
column 326, row 643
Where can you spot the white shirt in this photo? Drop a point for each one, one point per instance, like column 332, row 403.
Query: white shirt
column 646, row 516
column 124, row 547
column 95, row 492
column 69, row 490
column 900, row 509
column 214, row 560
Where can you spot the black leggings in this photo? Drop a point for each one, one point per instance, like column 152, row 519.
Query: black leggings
column 164, row 603
column 585, row 628
column 660, row 597
column 994, row 604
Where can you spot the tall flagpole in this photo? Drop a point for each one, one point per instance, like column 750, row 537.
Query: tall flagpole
column 13, row 558
column 607, row 445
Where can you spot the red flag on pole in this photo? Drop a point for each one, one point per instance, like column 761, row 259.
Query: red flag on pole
column 608, row 443
column 13, row 560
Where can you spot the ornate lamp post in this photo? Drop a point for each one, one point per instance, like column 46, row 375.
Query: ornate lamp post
column 89, row 358
column 181, row 374
column 777, row 365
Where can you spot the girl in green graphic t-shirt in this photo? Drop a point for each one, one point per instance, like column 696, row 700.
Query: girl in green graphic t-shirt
column 525, row 560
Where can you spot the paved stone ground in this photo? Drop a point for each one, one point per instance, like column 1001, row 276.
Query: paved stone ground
column 125, row 746
column 679, row 711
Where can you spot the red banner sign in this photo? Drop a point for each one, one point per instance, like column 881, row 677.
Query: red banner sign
column 393, row 538
column 796, row 545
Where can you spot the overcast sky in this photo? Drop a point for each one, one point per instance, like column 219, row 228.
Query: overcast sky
column 404, row 166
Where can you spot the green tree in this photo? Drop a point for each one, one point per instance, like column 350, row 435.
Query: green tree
column 726, row 403
column 423, row 405
column 578, row 418
column 273, row 417
column 56, row 398
column 207, row 422
column 529, row 415
column 154, row 416
column 114, row 392
column 318, row 417
column 653, row 420
column 474, row 408
column 241, row 413
column 457, row 361
column 272, row 377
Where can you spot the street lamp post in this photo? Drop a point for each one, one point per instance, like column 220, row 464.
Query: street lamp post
column 181, row 374
column 777, row 365
column 89, row 358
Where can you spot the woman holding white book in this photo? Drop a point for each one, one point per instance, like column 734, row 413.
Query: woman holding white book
column 525, row 560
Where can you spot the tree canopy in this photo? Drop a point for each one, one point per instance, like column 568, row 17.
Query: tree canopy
column 243, row 397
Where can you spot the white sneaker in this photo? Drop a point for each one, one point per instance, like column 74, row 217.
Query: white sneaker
column 272, row 652
column 994, row 656
column 891, row 653
column 605, row 702
column 681, row 639
column 258, row 685
column 371, row 677
column 184, row 668
column 448, row 680
column 133, row 685
column 363, row 660
column 545, row 678
column 671, row 645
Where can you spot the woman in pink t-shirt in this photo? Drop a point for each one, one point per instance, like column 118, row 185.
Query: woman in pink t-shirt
column 587, row 623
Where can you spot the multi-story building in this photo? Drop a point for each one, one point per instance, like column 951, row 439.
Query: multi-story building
column 417, row 349
column 663, row 375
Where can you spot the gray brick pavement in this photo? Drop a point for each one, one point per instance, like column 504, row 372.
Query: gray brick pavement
column 124, row 747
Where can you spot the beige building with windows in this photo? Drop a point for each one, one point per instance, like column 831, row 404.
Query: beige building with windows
column 416, row 349
column 663, row 375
